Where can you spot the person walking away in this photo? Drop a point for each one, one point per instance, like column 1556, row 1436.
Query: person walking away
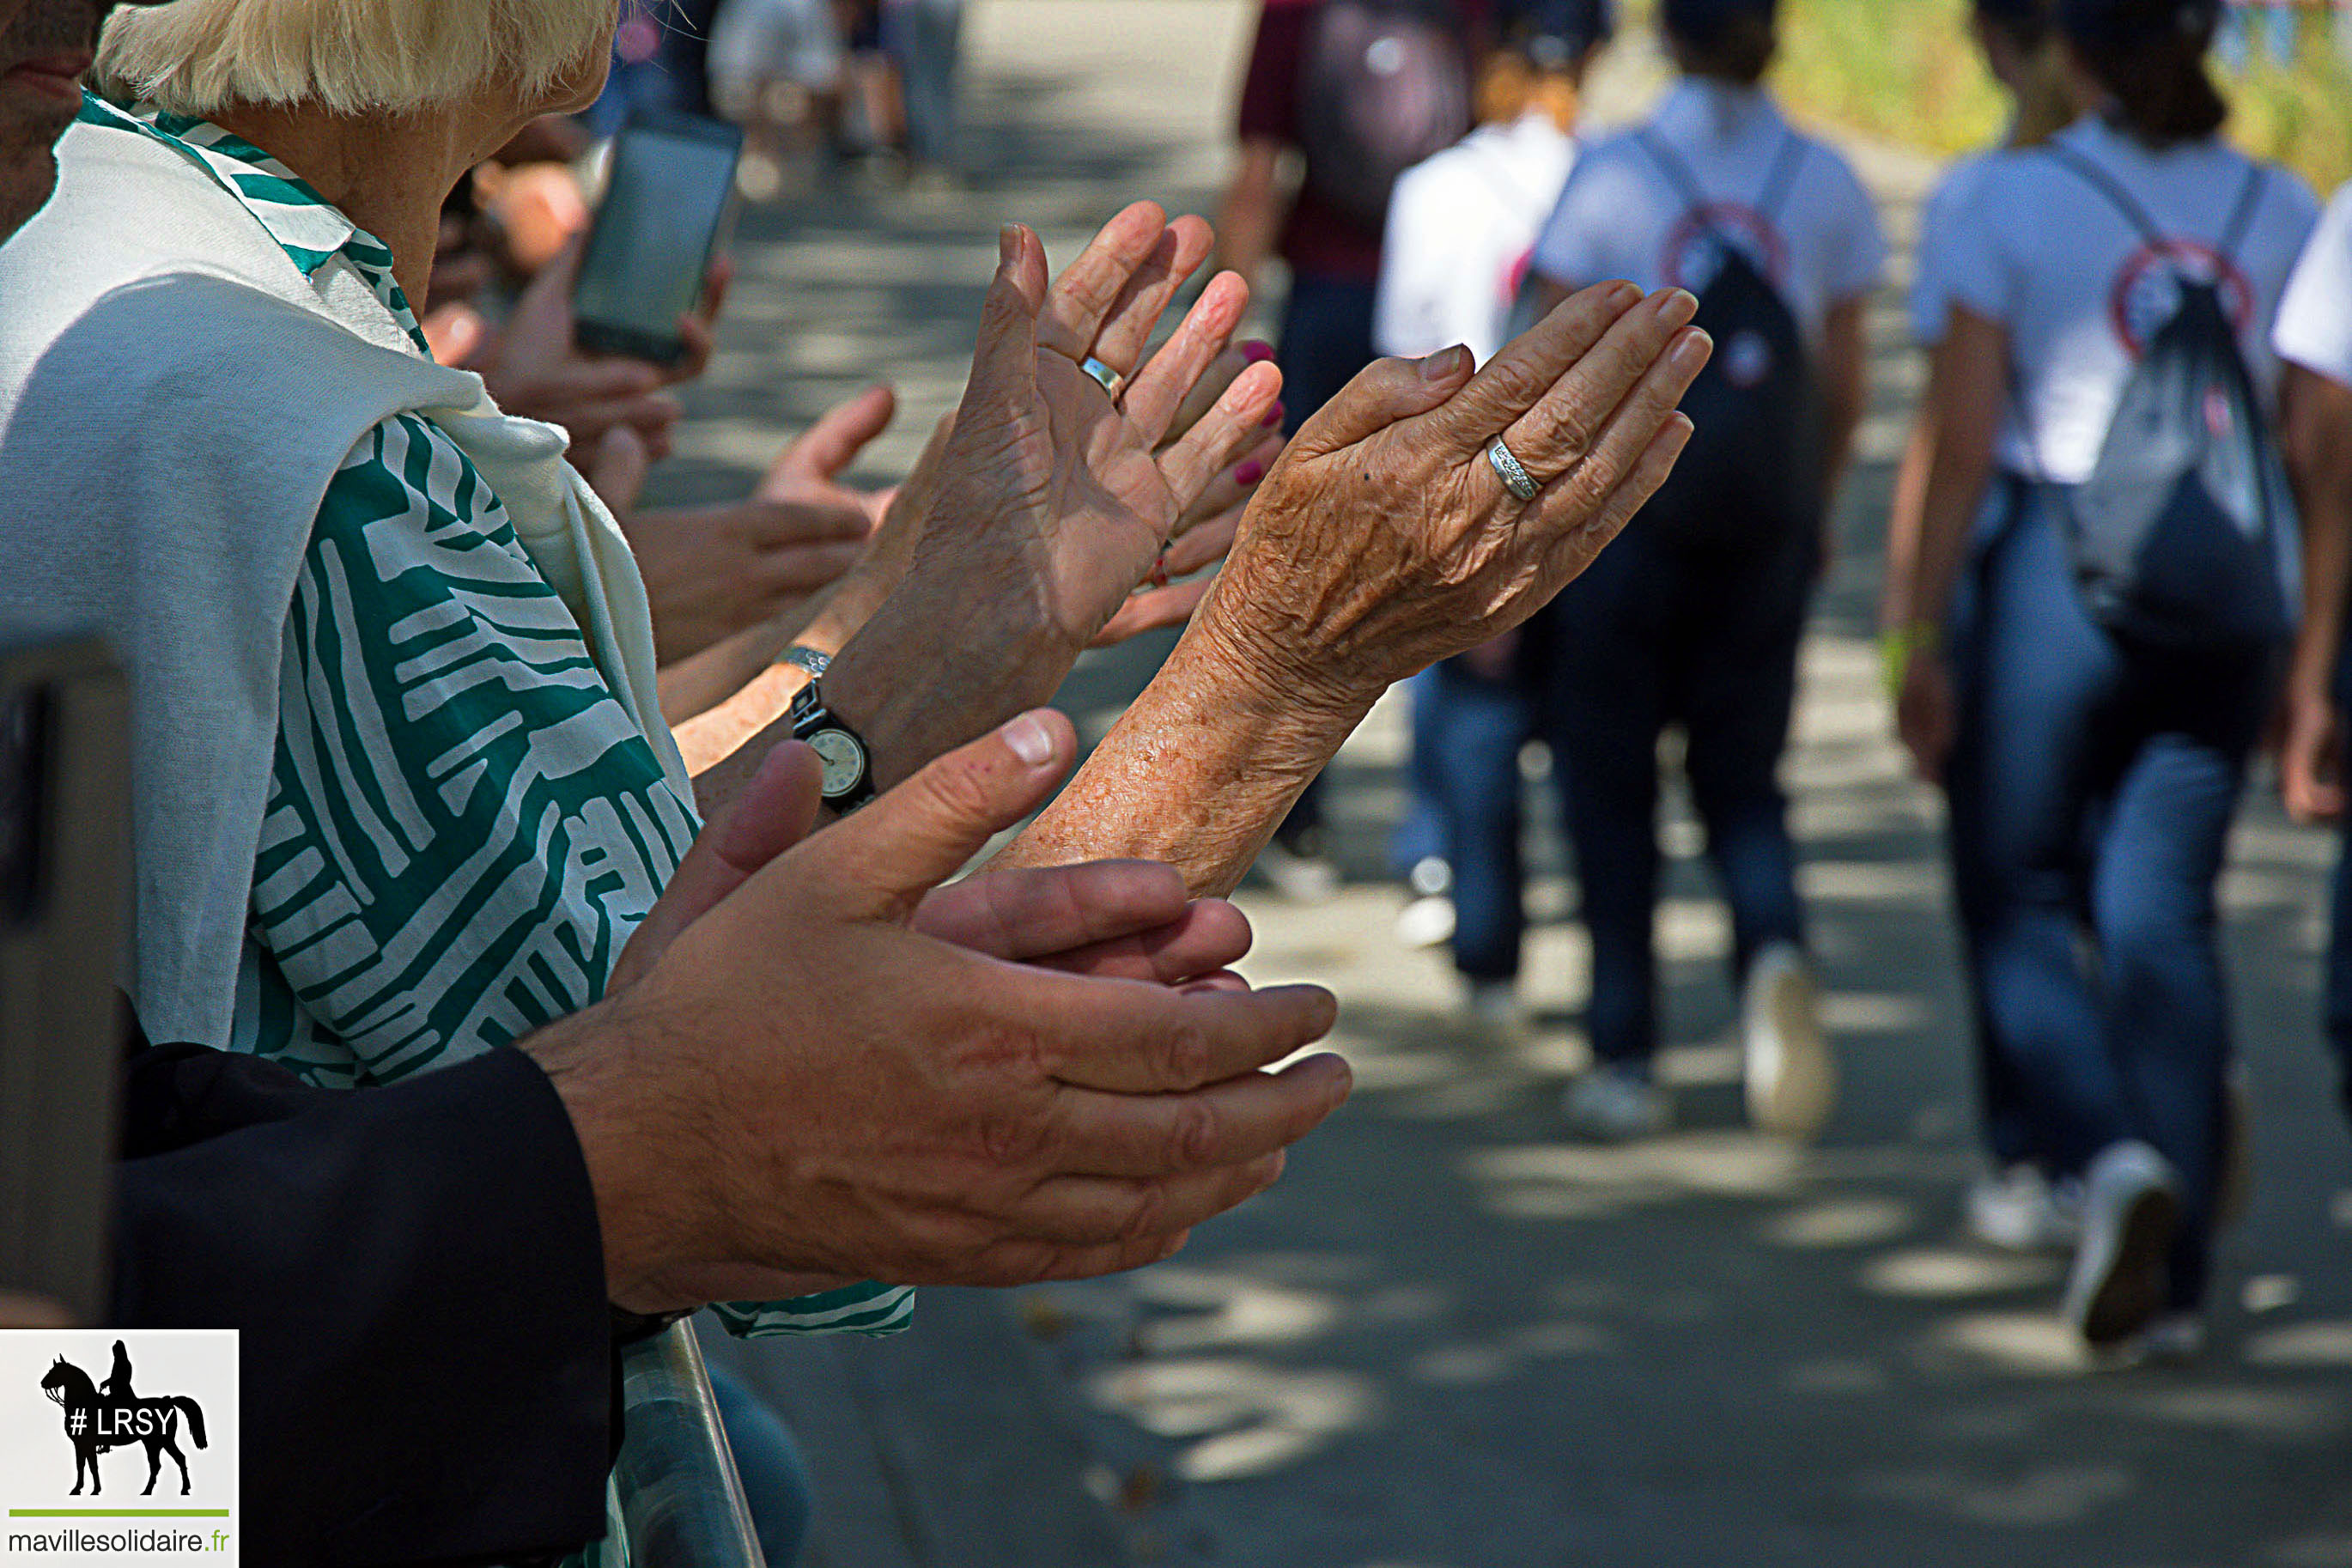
column 2089, row 675
column 1359, row 91
column 1695, row 619
column 2014, row 1204
column 2314, row 338
column 776, row 68
column 1461, row 227
column 924, row 37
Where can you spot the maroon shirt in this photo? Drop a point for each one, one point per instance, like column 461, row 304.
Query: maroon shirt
column 1317, row 238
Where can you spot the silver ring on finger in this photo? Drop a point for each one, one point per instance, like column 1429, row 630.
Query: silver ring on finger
column 1511, row 472
column 1109, row 380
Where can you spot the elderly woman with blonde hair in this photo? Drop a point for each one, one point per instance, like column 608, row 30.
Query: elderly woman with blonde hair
column 403, row 786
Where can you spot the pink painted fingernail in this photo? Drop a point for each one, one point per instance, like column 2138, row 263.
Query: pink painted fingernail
column 1029, row 740
column 1253, row 349
column 1249, row 473
column 1272, row 416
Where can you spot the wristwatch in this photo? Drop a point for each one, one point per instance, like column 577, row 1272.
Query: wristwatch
column 849, row 768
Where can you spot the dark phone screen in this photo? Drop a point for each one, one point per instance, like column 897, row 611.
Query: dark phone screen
column 662, row 205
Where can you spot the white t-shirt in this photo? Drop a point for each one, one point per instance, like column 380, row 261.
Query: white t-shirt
column 2315, row 319
column 1623, row 215
column 2080, row 289
column 1461, row 224
column 1948, row 206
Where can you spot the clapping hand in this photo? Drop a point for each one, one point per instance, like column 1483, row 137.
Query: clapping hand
column 1385, row 539
column 1056, row 499
column 813, row 1065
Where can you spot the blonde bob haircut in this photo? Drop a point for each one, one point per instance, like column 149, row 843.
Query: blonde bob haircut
column 350, row 57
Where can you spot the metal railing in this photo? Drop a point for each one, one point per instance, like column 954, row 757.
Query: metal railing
column 681, row 1500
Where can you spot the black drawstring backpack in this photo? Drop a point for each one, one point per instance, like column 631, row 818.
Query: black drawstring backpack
column 1750, row 479
column 2184, row 536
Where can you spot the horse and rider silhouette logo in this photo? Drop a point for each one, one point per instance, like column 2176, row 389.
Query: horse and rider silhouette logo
column 99, row 1417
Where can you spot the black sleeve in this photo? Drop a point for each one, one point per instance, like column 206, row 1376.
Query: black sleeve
column 418, row 1276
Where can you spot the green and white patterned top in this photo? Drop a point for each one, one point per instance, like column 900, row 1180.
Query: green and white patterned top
column 463, row 826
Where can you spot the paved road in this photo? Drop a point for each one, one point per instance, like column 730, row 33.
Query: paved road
column 1455, row 1339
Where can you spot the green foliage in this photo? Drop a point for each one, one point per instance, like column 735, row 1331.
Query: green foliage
column 1906, row 70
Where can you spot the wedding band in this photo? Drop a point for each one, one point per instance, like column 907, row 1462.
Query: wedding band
column 1516, row 478
column 1110, row 379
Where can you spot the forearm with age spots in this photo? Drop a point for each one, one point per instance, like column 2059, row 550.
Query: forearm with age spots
column 1197, row 774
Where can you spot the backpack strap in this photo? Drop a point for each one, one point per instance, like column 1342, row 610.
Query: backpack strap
column 1678, row 175
column 1777, row 180
column 2107, row 185
column 2233, row 231
column 1782, row 177
column 2242, row 217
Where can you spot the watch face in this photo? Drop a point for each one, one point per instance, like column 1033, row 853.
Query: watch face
column 843, row 758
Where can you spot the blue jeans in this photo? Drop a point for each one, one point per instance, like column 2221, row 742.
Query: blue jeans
column 1652, row 636
column 1423, row 833
column 1325, row 337
column 2092, row 785
column 1472, row 732
column 923, row 35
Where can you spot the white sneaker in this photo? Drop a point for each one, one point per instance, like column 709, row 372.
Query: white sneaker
column 2130, row 1202
column 1493, row 1003
column 1792, row 1077
column 2018, row 1209
column 1300, row 871
column 1425, row 922
column 2176, row 1339
column 1614, row 1104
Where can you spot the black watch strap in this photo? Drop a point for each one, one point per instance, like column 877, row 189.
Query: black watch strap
column 848, row 764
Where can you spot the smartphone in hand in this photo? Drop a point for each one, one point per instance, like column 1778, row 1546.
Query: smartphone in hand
column 669, row 197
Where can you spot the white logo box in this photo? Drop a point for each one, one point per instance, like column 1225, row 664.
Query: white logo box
column 184, row 1382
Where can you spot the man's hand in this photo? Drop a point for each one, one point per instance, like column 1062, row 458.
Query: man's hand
column 801, row 1083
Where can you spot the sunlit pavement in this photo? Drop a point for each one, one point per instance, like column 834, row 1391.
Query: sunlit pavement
column 1454, row 1337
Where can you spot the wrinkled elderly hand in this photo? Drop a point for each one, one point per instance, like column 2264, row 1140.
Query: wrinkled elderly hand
column 1206, row 531
column 713, row 570
column 1384, row 540
column 792, row 1083
column 1052, row 501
